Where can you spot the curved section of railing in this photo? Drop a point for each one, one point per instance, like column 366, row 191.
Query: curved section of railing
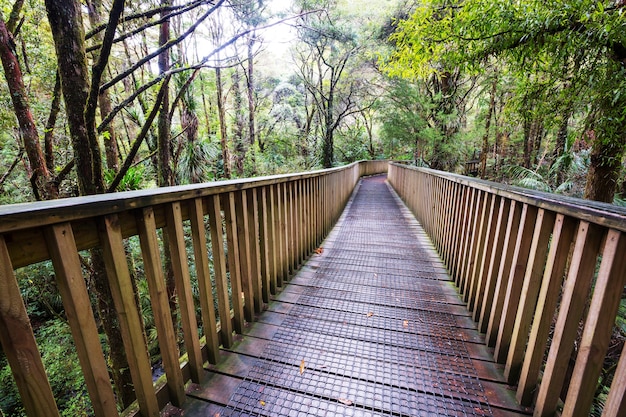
column 533, row 268
column 260, row 231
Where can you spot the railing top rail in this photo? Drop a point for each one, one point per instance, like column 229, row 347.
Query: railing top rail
column 604, row 214
column 28, row 215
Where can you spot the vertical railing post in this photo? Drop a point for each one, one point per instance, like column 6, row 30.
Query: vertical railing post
column 219, row 266
column 234, row 266
column 201, row 257
column 243, row 248
column 180, row 266
column 575, row 293
column 255, row 248
column 19, row 345
column 128, row 315
column 160, row 304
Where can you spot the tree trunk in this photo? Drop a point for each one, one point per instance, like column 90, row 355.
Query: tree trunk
column 250, row 89
column 94, row 8
column 166, row 177
column 238, row 136
column 69, row 40
column 221, row 111
column 485, row 150
column 328, row 156
column 44, row 187
column 605, row 168
column 67, row 30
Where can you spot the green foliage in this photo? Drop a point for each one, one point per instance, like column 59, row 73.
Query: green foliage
column 60, row 361
column 134, row 179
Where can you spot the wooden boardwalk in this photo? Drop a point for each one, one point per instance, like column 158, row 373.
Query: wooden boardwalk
column 372, row 326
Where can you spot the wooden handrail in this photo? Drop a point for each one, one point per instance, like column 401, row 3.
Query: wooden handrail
column 269, row 226
column 521, row 260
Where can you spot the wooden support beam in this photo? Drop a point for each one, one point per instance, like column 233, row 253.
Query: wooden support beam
column 219, row 266
column 128, row 314
column 19, row 345
column 186, row 307
column 153, row 267
column 201, row 257
column 77, row 306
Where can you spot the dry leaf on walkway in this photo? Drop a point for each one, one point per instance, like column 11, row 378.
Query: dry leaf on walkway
column 345, row 401
column 405, row 324
column 319, row 250
column 370, row 314
column 301, row 366
column 262, row 403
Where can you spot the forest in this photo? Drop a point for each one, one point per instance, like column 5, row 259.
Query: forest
column 102, row 96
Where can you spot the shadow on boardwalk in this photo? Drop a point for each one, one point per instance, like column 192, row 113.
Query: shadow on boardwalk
column 372, row 326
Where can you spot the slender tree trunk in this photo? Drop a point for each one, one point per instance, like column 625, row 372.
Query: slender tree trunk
column 250, row 88
column 328, row 146
column 55, row 108
column 166, row 177
column 94, row 8
column 221, row 111
column 485, row 150
column 240, row 145
column 44, row 187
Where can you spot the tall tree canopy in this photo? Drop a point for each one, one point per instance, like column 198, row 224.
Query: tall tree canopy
column 580, row 44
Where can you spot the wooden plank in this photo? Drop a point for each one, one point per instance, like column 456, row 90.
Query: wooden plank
column 615, row 405
column 255, row 249
column 575, row 293
column 243, row 239
column 466, row 238
column 515, row 281
column 19, row 345
column 219, row 267
column 234, row 268
column 502, row 281
column 128, row 314
column 562, row 237
column 186, row 307
column 265, row 243
column 77, row 306
column 201, row 258
column 153, row 268
column 491, row 276
column 607, row 294
column 274, row 243
column 528, row 297
column 474, row 243
column 279, row 228
column 289, row 247
column 484, row 253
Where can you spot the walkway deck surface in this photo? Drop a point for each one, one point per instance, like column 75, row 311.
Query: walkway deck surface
column 370, row 327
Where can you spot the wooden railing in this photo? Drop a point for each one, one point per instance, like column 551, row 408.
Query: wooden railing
column 533, row 269
column 267, row 225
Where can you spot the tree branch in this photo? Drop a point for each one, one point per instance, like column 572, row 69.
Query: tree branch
column 163, row 48
column 146, row 15
column 142, row 135
column 179, row 10
column 17, row 160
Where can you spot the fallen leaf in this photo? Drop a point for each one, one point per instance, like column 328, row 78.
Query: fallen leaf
column 216, row 415
column 262, row 403
column 405, row 323
column 345, row 401
column 301, row 366
column 370, row 314
column 319, row 250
